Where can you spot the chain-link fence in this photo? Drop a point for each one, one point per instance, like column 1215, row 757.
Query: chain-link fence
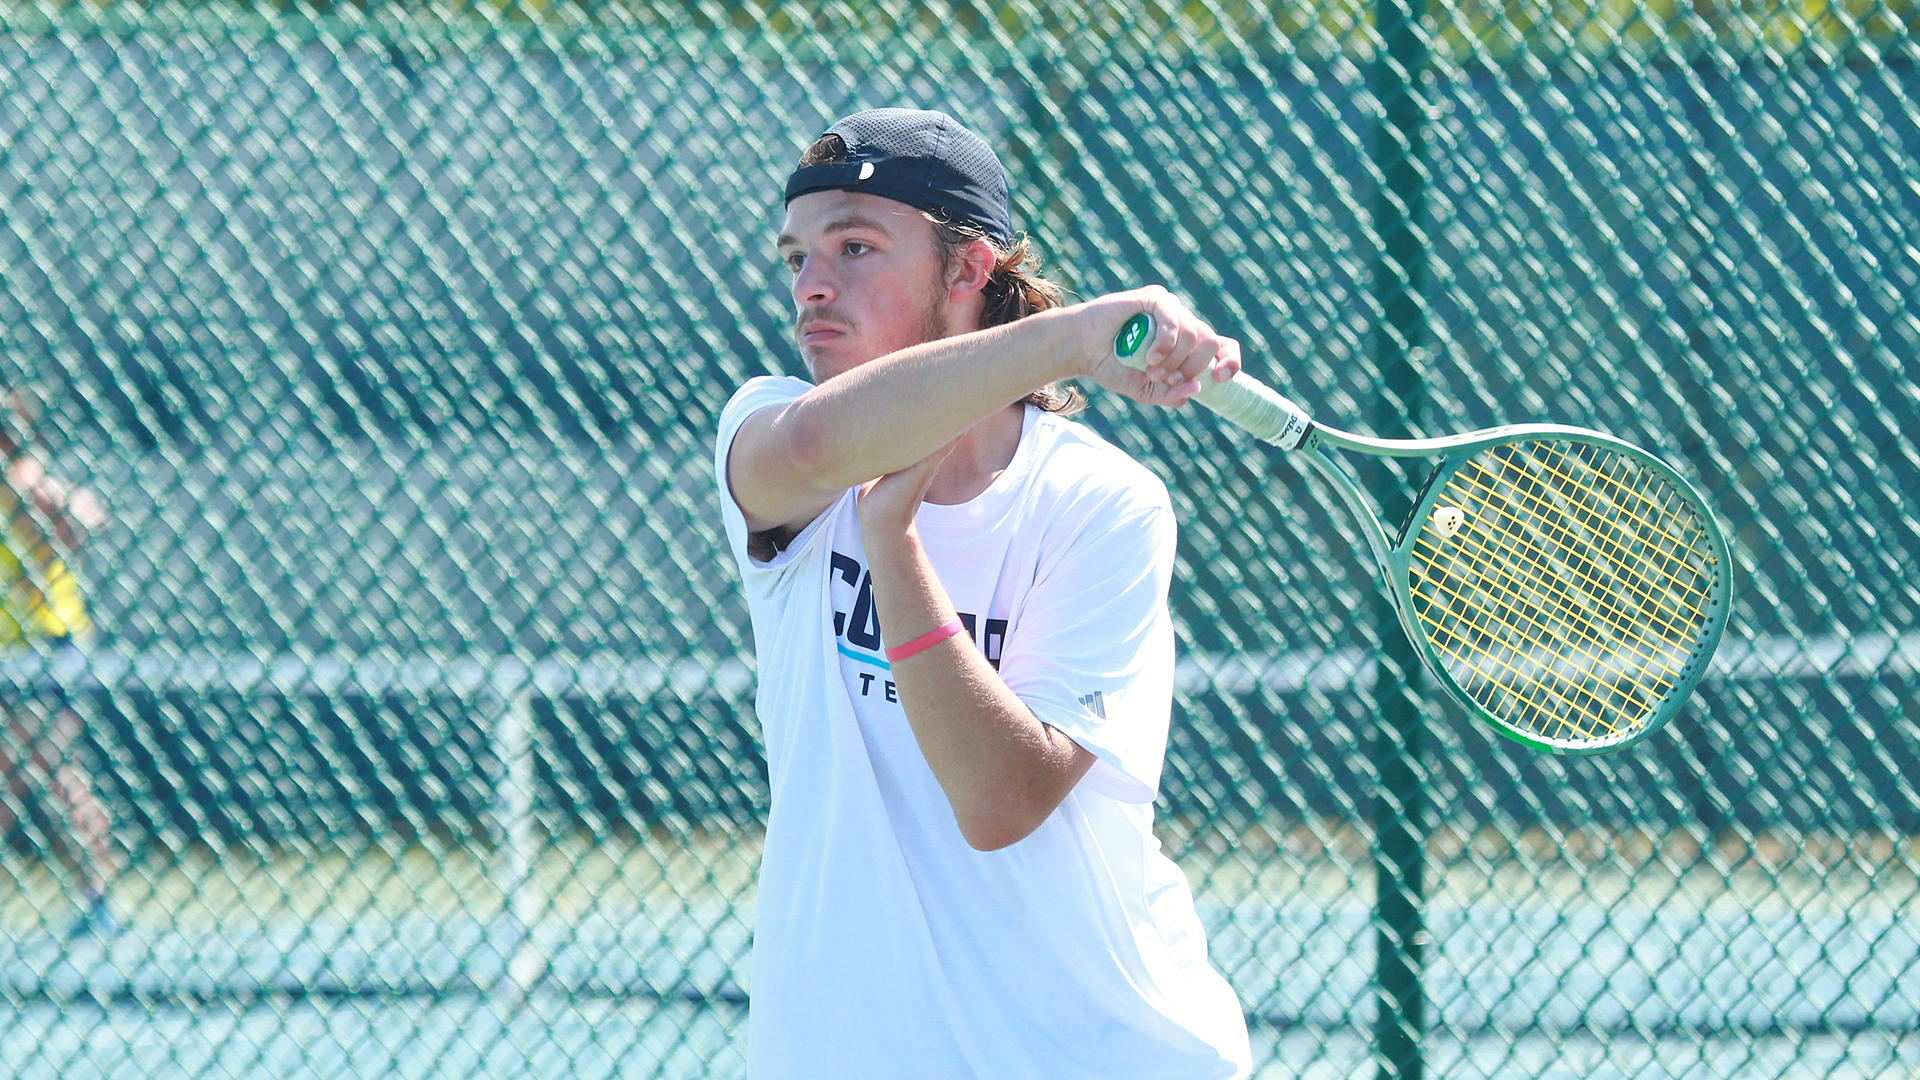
column 414, row 733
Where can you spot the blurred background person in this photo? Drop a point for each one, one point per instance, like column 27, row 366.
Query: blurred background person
column 44, row 612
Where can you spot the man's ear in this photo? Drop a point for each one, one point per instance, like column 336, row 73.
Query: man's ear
column 970, row 270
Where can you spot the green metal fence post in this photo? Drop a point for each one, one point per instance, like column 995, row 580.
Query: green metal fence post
column 1399, row 806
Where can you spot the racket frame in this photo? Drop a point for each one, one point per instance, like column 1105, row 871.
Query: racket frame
column 1393, row 555
column 1272, row 418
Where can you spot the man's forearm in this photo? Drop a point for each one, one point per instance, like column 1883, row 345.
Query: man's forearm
column 1002, row 769
column 885, row 415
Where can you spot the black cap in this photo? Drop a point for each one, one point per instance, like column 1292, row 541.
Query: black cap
column 922, row 158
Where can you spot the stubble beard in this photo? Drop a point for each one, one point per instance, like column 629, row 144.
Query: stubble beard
column 930, row 324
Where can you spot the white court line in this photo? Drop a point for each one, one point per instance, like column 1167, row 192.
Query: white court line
column 1295, row 671
column 1749, row 660
column 419, row 673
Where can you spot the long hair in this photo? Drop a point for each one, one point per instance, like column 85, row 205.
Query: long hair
column 1014, row 291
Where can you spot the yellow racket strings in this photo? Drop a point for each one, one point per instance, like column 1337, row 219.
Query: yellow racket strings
column 1533, row 560
column 1559, row 663
column 1571, row 595
column 1565, row 666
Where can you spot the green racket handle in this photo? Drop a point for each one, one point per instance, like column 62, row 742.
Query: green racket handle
column 1245, row 401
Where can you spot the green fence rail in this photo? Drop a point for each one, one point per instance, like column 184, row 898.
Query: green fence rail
column 416, row 723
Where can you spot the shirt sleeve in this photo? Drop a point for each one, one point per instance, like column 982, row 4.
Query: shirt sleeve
column 1092, row 654
column 756, row 394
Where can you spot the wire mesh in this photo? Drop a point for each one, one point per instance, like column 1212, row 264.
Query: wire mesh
column 408, row 727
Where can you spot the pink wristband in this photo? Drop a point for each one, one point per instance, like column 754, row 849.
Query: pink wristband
column 926, row 641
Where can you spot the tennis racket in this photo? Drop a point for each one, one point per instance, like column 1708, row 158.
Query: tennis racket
column 1565, row 586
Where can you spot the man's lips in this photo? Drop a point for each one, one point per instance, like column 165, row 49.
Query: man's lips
column 814, row 331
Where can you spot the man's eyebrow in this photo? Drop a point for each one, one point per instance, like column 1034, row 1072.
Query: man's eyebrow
column 839, row 225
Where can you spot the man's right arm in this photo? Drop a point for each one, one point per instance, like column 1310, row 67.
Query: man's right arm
column 789, row 462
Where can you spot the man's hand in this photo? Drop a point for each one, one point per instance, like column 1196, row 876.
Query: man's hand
column 887, row 505
column 1185, row 351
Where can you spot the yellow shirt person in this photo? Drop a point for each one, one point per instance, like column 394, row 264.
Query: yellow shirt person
column 41, row 605
column 41, row 597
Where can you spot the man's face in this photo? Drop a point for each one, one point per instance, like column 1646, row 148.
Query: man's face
column 867, row 279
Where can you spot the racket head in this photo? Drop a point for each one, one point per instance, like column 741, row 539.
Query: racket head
column 1566, row 586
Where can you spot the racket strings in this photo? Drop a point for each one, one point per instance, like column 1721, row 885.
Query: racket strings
column 1532, row 562
column 1571, row 602
column 1586, row 639
column 1576, row 706
column 1609, row 566
column 1649, row 530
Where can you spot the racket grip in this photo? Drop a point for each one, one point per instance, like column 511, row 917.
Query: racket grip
column 1245, row 401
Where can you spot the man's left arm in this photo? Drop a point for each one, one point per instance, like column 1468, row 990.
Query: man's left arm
column 1003, row 770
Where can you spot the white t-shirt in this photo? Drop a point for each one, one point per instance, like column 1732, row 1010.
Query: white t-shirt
column 886, row 946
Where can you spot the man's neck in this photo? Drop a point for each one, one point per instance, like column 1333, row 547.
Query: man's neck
column 979, row 456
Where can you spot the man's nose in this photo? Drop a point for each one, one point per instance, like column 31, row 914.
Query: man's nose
column 812, row 285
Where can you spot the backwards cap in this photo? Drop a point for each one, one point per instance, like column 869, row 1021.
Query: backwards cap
column 922, row 158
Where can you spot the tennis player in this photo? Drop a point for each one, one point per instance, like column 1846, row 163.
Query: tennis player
column 959, row 607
